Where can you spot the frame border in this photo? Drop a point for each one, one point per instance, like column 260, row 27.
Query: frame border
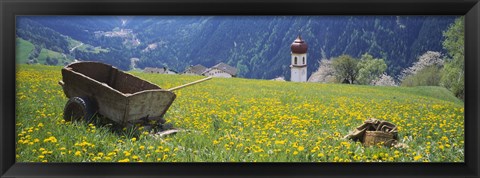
column 10, row 9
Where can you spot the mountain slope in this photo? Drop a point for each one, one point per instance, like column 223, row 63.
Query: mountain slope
column 259, row 46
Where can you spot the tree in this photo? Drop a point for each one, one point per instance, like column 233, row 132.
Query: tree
column 51, row 61
column 453, row 77
column 325, row 72
column 429, row 58
column 54, row 61
column 346, row 68
column 384, row 80
column 370, row 69
column 48, row 60
column 454, row 40
column 35, row 52
column 424, row 72
column 242, row 69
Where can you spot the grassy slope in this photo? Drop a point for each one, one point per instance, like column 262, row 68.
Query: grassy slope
column 431, row 92
column 25, row 47
column 84, row 47
column 23, row 50
column 72, row 43
column 53, row 54
column 91, row 49
column 245, row 120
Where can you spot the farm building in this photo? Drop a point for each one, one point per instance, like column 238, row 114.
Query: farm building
column 195, row 70
column 154, row 70
column 221, row 70
column 169, row 71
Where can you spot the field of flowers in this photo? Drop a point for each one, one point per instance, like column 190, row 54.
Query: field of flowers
column 244, row 120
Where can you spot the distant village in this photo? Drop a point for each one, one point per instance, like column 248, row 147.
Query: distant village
column 220, row 70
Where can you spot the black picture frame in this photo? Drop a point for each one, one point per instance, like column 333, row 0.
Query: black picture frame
column 10, row 8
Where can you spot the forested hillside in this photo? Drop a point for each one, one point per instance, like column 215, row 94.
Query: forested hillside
column 259, row 46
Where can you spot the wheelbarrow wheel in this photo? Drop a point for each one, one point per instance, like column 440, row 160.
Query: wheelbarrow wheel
column 78, row 108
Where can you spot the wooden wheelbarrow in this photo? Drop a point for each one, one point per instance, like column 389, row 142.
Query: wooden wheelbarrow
column 97, row 88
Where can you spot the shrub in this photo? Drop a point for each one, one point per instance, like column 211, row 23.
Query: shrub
column 430, row 58
column 384, row 80
column 428, row 76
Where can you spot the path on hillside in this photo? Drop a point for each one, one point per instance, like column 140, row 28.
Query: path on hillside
column 71, row 50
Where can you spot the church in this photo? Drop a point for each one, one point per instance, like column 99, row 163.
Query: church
column 298, row 67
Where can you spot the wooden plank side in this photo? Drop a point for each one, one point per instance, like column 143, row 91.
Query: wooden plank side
column 95, row 70
column 111, row 103
column 152, row 103
column 129, row 84
column 121, row 97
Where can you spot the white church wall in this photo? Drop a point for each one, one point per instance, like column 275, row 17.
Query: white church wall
column 300, row 58
column 298, row 74
column 298, row 68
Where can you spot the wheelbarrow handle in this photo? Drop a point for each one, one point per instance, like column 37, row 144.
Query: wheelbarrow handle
column 188, row 84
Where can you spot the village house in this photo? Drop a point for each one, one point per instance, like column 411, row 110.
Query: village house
column 170, row 71
column 221, row 70
column 154, row 70
column 195, row 70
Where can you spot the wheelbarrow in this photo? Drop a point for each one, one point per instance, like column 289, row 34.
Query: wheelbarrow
column 98, row 88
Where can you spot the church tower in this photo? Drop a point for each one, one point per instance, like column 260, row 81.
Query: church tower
column 298, row 65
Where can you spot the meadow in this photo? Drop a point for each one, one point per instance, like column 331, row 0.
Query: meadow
column 244, row 120
column 25, row 48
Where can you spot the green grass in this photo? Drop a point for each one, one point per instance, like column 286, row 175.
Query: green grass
column 91, row 49
column 53, row 54
column 72, row 43
column 435, row 92
column 24, row 48
column 243, row 120
column 84, row 47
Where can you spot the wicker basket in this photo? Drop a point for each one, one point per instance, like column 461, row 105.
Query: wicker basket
column 374, row 137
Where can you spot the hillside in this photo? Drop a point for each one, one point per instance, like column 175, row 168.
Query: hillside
column 244, row 120
column 24, row 48
column 247, row 42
